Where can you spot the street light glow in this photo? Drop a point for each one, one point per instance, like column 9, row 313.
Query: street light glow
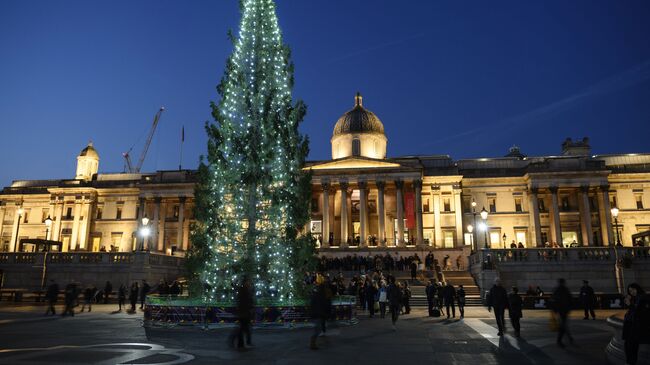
column 48, row 222
column 484, row 213
column 614, row 212
column 145, row 231
column 470, row 228
column 482, row 226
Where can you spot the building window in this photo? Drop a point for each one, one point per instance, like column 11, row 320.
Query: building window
column 118, row 214
column 492, row 202
column 540, row 203
column 639, row 201
column 467, row 205
column 356, row 147
column 448, row 239
column 26, row 216
column 68, row 213
column 116, row 240
column 428, row 236
column 446, row 204
column 518, row 205
column 544, row 237
column 314, row 205
column 426, row 205
column 612, row 201
column 176, row 211
column 495, row 239
column 100, row 211
column 44, row 214
column 592, row 203
column 565, row 203
column 521, row 238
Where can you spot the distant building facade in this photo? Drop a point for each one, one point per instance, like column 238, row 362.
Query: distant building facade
column 360, row 199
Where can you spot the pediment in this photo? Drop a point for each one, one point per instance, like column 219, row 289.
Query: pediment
column 354, row 163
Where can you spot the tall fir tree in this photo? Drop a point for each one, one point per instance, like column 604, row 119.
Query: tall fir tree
column 252, row 195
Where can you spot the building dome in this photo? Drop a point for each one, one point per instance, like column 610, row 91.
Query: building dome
column 87, row 163
column 358, row 120
column 359, row 133
column 89, row 151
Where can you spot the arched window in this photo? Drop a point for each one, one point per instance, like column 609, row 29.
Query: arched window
column 356, row 147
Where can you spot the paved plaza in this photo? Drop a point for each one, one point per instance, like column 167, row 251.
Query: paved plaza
column 106, row 337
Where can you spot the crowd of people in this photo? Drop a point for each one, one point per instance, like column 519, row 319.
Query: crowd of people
column 388, row 262
column 92, row 295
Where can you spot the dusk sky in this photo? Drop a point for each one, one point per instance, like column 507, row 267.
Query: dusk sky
column 464, row 78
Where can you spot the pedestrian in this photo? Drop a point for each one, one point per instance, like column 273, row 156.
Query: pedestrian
column 449, row 298
column 395, row 300
column 498, row 299
column 52, row 295
column 121, row 296
column 460, row 295
column 588, row 299
column 561, row 305
column 459, row 262
column 515, row 310
column 70, row 297
column 133, row 295
column 143, row 292
column 244, row 314
column 382, row 294
column 370, row 292
column 414, row 270
column 406, row 297
column 636, row 323
column 431, row 293
column 319, row 309
column 446, row 263
column 88, row 297
column 108, row 289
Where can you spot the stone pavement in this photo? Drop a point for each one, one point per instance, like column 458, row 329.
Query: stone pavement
column 106, row 337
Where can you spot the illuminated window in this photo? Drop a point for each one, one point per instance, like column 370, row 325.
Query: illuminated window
column 426, row 205
column 448, row 239
column 118, row 214
column 639, row 201
column 518, row 205
column 495, row 238
column 492, row 202
column 521, row 237
column 446, row 204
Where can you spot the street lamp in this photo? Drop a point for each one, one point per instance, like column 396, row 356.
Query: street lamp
column 505, row 238
column 470, row 230
column 48, row 224
column 145, row 231
column 620, row 280
column 474, row 239
column 484, row 216
column 20, row 214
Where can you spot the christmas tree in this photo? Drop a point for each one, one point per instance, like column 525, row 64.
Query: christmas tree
column 252, row 195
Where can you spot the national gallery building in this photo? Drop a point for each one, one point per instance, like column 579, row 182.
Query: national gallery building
column 360, row 198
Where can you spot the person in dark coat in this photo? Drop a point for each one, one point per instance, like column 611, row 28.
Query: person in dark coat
column 70, row 298
column 588, row 299
column 108, row 289
column 636, row 323
column 394, row 299
column 460, row 296
column 414, row 270
column 89, row 293
column 244, row 314
column 514, row 310
column 406, row 297
column 52, row 295
column 133, row 295
column 431, row 294
column 121, row 296
column 498, row 299
column 370, row 291
column 561, row 305
column 320, row 309
column 143, row 292
column 449, row 298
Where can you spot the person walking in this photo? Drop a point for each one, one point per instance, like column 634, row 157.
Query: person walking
column 88, row 298
column 431, row 293
column 319, row 310
column 244, row 313
column 498, row 299
column 133, row 295
column 449, row 298
column 395, row 299
column 143, row 292
column 588, row 299
column 121, row 297
column 406, row 297
column 52, row 295
column 108, row 289
column 414, row 270
column 370, row 292
column 515, row 310
column 383, row 299
column 70, row 297
column 561, row 305
column 636, row 323
column 460, row 295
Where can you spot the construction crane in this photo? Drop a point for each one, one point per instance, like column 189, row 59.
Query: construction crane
column 127, row 155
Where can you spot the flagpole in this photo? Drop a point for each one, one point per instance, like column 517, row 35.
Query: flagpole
column 180, row 161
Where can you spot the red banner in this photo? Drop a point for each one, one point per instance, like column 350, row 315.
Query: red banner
column 409, row 204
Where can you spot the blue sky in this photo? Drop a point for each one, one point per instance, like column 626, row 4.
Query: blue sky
column 465, row 78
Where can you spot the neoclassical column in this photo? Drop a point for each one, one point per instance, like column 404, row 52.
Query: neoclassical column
column 14, row 231
column 3, row 211
column 363, row 212
column 381, row 214
column 399, row 191
column 162, row 219
column 605, row 217
column 557, row 226
column 141, row 213
column 458, row 210
column 85, row 223
column 58, row 217
column 536, row 232
column 586, row 217
column 181, row 220
column 155, row 223
column 437, row 240
column 326, row 214
column 417, row 184
column 74, row 240
column 343, row 186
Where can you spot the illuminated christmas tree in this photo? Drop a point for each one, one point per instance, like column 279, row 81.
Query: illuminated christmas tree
column 252, row 195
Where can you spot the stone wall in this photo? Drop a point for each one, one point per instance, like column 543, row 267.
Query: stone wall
column 25, row 270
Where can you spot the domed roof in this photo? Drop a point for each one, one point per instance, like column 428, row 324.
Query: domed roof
column 89, row 151
column 358, row 120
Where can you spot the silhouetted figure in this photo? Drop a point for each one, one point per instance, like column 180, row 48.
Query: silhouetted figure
column 561, row 305
column 121, row 297
column 133, row 296
column 515, row 305
column 460, row 295
column 108, row 289
column 636, row 323
column 588, row 299
column 244, row 314
column 52, row 295
column 70, row 297
column 449, row 298
column 143, row 293
column 498, row 299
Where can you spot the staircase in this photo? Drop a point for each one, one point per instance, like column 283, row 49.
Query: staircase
column 472, row 291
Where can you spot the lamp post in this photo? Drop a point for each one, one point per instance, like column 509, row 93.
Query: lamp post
column 48, row 224
column 145, row 231
column 505, row 238
column 20, row 215
column 484, row 216
column 470, row 230
column 620, row 279
column 474, row 239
